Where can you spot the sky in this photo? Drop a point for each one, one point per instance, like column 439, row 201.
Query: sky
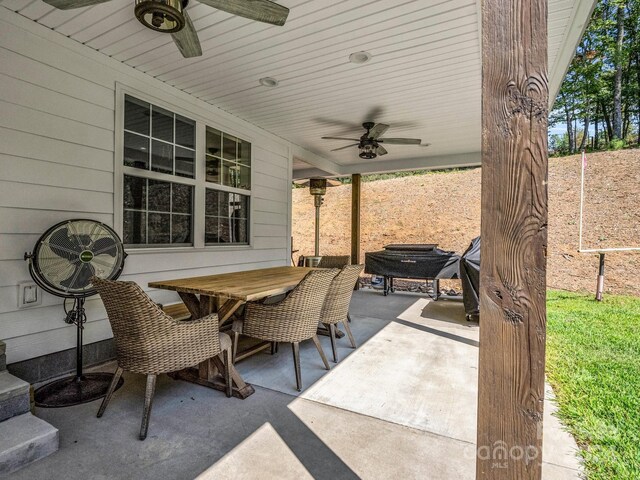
column 561, row 128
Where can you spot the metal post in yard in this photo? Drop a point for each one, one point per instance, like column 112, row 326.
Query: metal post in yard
column 600, row 286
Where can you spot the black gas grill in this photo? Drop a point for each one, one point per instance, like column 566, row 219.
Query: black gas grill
column 423, row 261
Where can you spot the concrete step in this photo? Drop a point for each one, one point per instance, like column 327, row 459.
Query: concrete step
column 14, row 396
column 25, row 439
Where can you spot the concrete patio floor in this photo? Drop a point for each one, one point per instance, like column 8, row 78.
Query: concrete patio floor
column 403, row 405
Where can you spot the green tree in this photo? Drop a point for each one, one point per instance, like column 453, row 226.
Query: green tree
column 602, row 87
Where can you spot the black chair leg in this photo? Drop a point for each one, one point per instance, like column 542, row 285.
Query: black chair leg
column 274, row 348
column 112, row 388
column 296, row 365
column 148, row 401
column 332, row 335
column 349, row 334
column 348, row 317
column 316, row 340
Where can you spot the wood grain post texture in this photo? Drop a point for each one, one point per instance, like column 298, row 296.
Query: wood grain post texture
column 514, row 239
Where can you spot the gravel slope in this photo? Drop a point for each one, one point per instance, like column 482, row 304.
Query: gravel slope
column 444, row 208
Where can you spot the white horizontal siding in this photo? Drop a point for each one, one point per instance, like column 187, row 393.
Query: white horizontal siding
column 43, row 172
column 21, row 220
column 53, row 150
column 57, row 137
column 56, row 340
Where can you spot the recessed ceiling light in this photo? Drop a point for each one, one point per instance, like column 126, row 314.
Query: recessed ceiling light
column 268, row 82
column 359, row 57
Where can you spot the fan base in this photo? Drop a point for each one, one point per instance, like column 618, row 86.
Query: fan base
column 74, row 390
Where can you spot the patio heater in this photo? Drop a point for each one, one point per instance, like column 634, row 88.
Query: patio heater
column 317, row 188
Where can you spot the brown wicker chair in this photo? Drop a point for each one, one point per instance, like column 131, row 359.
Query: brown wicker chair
column 293, row 319
column 334, row 261
column 336, row 306
column 150, row 342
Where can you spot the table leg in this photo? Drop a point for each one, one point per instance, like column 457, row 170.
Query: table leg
column 208, row 375
column 205, row 305
column 227, row 309
column 207, row 370
column 243, row 389
column 208, row 305
column 192, row 302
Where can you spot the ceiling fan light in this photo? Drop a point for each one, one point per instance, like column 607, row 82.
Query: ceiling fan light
column 368, row 151
column 161, row 15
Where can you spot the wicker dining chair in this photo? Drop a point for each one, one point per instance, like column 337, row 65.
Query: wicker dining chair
column 336, row 306
column 293, row 319
column 150, row 342
column 334, row 261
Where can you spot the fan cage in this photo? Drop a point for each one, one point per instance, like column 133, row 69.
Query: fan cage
column 78, row 228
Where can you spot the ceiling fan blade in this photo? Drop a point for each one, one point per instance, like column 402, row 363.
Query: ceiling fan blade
column 260, row 10
column 70, row 4
column 377, row 130
column 341, row 138
column 187, row 39
column 373, row 113
column 338, row 123
column 381, row 150
column 347, row 146
column 400, row 141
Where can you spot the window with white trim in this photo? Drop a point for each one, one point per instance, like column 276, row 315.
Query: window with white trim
column 162, row 181
column 228, row 164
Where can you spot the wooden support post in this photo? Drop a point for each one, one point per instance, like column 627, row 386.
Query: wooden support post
column 356, row 180
column 514, row 239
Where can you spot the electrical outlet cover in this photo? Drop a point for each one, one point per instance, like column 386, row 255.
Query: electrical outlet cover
column 29, row 294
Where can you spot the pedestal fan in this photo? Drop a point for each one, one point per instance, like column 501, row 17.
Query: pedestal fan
column 63, row 260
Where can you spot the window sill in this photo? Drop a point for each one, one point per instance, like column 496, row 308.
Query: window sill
column 211, row 248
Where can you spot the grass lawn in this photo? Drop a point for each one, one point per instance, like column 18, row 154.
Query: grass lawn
column 593, row 363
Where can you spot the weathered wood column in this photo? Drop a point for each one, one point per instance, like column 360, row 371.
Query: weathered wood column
column 356, row 180
column 514, row 239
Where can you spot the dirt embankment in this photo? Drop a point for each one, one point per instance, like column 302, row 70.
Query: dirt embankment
column 444, row 208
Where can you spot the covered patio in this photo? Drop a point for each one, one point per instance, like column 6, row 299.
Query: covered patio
column 402, row 405
column 190, row 162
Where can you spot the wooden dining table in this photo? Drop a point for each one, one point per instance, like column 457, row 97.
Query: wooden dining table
column 223, row 294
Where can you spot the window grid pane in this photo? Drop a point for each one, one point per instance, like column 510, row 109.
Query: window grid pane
column 228, row 160
column 158, row 140
column 157, row 212
column 226, row 218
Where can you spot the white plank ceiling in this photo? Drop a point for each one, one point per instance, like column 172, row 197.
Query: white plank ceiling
column 423, row 78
